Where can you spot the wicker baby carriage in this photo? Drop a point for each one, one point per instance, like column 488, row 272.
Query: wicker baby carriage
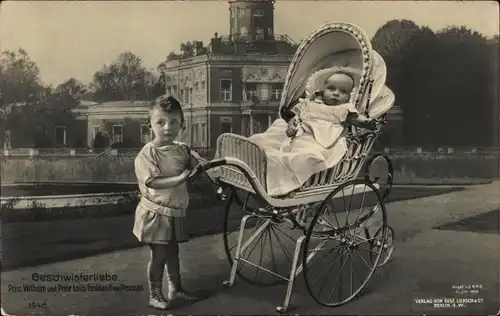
column 322, row 210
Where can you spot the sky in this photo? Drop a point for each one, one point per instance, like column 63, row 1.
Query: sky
column 76, row 38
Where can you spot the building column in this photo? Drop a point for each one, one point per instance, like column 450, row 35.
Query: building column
column 251, row 123
column 244, row 125
column 244, row 91
column 190, row 129
column 208, row 129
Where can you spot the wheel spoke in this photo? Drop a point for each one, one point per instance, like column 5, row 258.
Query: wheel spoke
column 328, row 268
column 369, row 266
column 361, row 206
column 336, row 280
column 334, row 214
column 349, row 207
column 357, row 273
column 272, row 250
column 283, row 247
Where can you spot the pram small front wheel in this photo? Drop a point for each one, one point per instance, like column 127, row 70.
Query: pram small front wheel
column 339, row 242
column 387, row 244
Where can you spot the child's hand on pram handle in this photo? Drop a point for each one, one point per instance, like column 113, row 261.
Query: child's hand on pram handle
column 205, row 165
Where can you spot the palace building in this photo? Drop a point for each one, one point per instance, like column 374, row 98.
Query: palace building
column 234, row 84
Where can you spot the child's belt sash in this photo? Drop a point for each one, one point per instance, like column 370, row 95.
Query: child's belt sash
column 162, row 210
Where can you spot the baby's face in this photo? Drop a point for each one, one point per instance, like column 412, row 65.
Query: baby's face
column 338, row 88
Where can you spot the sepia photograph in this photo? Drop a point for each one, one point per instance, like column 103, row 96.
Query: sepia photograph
column 249, row 157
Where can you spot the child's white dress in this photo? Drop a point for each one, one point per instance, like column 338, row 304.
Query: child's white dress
column 319, row 145
column 322, row 122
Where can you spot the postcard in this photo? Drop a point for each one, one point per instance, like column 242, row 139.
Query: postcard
column 250, row 157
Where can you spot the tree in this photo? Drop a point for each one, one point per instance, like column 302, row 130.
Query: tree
column 159, row 87
column 30, row 109
column 439, row 82
column 71, row 88
column 463, row 82
column 187, row 49
column 395, row 41
column 100, row 141
column 124, row 79
column 19, row 78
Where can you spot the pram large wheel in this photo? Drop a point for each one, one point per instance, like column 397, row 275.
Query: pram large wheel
column 273, row 247
column 338, row 246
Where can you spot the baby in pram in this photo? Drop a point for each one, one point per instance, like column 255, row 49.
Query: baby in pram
column 323, row 115
column 312, row 137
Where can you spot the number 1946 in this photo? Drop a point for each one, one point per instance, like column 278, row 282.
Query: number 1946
column 36, row 305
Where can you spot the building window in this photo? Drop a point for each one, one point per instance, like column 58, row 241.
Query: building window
column 251, row 91
column 243, row 31
column 60, row 135
column 117, row 134
column 226, row 125
column 276, row 91
column 96, row 131
column 225, row 90
column 145, row 134
column 257, row 126
column 260, row 33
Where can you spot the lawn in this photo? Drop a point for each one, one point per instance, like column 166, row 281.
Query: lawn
column 34, row 242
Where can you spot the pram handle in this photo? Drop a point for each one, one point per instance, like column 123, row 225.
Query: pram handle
column 202, row 167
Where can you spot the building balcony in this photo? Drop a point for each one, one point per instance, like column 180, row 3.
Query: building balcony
column 237, row 37
column 247, row 104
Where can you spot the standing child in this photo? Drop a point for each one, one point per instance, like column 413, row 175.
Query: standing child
column 162, row 168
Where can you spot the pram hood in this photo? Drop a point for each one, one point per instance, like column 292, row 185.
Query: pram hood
column 342, row 45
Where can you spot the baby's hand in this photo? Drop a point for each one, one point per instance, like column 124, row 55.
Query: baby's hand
column 292, row 128
column 363, row 122
column 291, row 131
column 371, row 124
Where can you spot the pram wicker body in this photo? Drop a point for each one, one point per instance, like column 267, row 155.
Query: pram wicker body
column 240, row 166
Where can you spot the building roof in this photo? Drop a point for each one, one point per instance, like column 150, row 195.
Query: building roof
column 87, row 103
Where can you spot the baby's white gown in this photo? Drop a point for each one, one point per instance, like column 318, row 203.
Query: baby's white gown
column 319, row 145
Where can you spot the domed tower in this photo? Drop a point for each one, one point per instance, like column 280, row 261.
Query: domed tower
column 251, row 20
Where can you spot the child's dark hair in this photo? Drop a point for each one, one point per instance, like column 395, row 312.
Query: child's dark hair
column 168, row 104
